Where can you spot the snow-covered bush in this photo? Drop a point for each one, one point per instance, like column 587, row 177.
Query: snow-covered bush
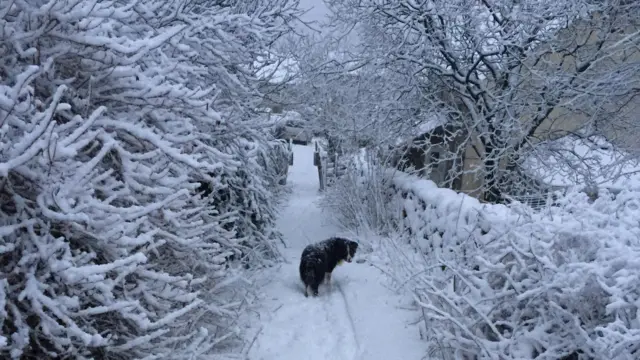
column 249, row 197
column 497, row 282
column 360, row 199
column 113, row 116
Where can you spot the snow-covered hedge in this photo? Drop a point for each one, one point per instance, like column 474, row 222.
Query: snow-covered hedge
column 358, row 199
column 248, row 194
column 113, row 114
column 498, row 282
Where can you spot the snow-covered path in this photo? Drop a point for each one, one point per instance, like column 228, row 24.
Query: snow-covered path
column 360, row 319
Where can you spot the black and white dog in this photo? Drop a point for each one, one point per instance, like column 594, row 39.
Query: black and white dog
column 318, row 261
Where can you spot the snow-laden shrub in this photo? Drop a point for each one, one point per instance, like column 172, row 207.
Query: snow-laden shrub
column 359, row 199
column 250, row 196
column 113, row 114
column 497, row 282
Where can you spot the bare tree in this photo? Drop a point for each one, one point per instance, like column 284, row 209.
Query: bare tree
column 350, row 101
column 509, row 73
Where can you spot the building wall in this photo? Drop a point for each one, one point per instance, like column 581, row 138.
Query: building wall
column 472, row 179
column 619, row 117
column 574, row 112
column 436, row 168
column 600, row 41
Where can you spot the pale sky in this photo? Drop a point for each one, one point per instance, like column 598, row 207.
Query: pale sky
column 318, row 10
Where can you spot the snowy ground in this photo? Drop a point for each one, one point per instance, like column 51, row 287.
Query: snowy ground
column 359, row 319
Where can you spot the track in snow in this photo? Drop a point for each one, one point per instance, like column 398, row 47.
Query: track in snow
column 357, row 319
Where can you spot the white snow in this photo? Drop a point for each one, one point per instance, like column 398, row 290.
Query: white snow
column 276, row 70
column 572, row 161
column 580, row 254
column 360, row 318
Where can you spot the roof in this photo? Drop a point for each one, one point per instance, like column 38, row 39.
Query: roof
column 422, row 128
column 431, row 124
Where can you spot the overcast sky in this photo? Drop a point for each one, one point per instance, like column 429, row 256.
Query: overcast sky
column 318, row 11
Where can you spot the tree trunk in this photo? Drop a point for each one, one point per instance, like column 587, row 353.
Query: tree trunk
column 492, row 192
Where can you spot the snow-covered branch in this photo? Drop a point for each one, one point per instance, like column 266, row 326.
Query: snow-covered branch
column 114, row 117
column 498, row 282
column 509, row 74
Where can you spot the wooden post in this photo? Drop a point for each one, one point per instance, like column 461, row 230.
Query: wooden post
column 290, row 148
column 317, row 161
column 322, row 172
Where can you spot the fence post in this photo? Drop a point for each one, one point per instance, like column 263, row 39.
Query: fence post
column 335, row 167
column 322, row 170
column 290, row 148
column 317, row 161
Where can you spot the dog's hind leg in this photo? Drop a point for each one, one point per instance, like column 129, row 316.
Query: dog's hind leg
column 306, row 291
column 327, row 279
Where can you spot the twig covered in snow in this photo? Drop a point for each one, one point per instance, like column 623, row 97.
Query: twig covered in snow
column 503, row 75
column 114, row 117
column 511, row 283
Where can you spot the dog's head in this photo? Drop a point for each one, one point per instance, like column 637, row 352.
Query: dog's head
column 350, row 250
